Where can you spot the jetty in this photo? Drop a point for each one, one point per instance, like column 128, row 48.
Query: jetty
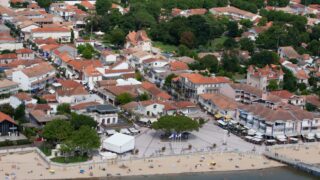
column 298, row 164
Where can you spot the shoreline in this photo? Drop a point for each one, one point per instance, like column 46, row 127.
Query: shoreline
column 23, row 164
column 173, row 165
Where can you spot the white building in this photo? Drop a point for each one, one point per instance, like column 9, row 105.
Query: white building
column 21, row 98
column 103, row 114
column 59, row 33
column 34, row 77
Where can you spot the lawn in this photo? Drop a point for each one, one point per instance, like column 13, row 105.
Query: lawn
column 217, row 43
column 73, row 159
column 165, row 47
column 46, row 150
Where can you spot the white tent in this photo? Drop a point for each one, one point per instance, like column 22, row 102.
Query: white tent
column 119, row 143
column 108, row 155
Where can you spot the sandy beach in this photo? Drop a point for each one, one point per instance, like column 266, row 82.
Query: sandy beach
column 307, row 153
column 31, row 166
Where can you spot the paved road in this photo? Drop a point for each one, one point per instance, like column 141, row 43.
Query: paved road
column 149, row 143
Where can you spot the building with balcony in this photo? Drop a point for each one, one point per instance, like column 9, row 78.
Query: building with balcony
column 8, row 87
column 103, row 114
column 288, row 120
column 35, row 77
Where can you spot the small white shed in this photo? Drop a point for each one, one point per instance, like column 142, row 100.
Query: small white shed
column 119, row 143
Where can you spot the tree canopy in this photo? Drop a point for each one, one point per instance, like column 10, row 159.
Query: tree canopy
column 63, row 108
column 124, row 98
column 103, row 6
column 78, row 120
column 176, row 123
column 264, row 58
column 57, row 130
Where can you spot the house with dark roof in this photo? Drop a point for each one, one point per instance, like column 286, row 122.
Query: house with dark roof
column 7, row 125
column 103, row 114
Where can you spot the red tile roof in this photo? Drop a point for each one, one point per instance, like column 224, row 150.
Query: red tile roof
column 178, row 66
column 5, row 117
column 24, row 51
column 50, row 29
column 284, row 94
column 8, row 56
column 200, row 79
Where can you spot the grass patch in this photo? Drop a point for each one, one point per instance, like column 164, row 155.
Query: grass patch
column 46, row 150
column 72, row 159
column 217, row 43
column 165, row 47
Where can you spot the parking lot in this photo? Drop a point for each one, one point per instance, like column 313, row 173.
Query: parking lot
column 149, row 143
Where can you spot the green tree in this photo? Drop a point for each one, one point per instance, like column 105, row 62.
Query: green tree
column 175, row 124
column 19, row 113
column 247, row 44
column 210, row 62
column 168, row 80
column 57, row 131
column 289, row 80
column 233, row 29
column 143, row 97
column 72, row 36
column 230, row 43
column 44, row 3
column 279, row 3
column 273, row 85
column 314, row 47
column 85, row 139
column 264, row 58
column 81, row 7
column 7, row 109
column 124, row 98
column 78, row 120
column 187, row 38
column 103, row 6
column 63, row 108
column 311, row 107
column 230, row 63
column 117, row 37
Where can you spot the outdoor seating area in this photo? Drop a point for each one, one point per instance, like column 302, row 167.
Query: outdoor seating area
column 259, row 138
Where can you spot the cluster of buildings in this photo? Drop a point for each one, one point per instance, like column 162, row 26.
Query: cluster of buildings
column 49, row 68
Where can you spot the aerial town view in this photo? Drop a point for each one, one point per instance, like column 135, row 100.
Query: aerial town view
column 160, row 89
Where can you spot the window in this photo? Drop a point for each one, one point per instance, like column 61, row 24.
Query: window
column 108, row 121
column 154, row 106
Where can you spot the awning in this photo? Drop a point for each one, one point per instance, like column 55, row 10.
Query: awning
column 281, row 137
column 227, row 116
column 218, row 116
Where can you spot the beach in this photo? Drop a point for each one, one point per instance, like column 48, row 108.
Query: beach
column 309, row 154
column 31, row 166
